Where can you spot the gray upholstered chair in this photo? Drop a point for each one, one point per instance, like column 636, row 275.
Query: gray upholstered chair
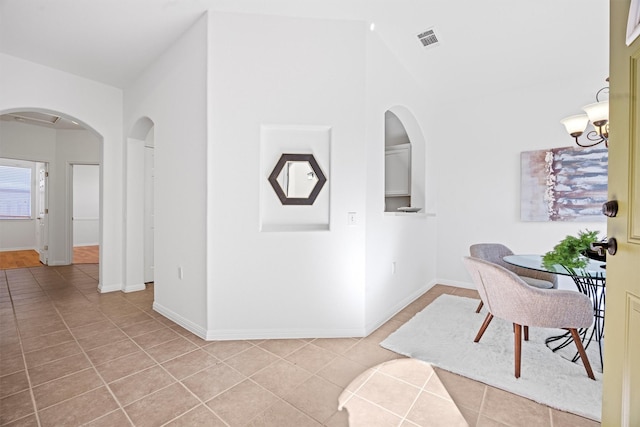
column 509, row 297
column 494, row 252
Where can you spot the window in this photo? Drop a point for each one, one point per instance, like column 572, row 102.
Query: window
column 16, row 190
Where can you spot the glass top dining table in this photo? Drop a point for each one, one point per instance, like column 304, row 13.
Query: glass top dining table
column 594, row 269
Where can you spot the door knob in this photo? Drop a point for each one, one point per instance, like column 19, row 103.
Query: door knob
column 610, row 246
column 610, row 208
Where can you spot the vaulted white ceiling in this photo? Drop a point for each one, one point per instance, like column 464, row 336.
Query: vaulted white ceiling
column 485, row 45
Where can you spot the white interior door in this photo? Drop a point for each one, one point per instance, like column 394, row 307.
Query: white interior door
column 42, row 220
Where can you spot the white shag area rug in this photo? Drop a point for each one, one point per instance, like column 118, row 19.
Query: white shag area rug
column 442, row 334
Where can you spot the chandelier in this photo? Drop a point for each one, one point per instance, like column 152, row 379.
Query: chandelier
column 598, row 115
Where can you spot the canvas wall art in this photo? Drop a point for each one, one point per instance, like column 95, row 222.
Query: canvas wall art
column 564, row 184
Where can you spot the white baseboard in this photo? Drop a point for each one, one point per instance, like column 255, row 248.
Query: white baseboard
column 185, row 323
column 134, row 288
column 265, row 334
column 103, row 289
column 253, row 334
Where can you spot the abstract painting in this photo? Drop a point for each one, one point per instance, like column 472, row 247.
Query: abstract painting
column 564, row 184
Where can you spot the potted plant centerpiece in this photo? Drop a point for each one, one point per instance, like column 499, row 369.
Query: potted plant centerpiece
column 572, row 251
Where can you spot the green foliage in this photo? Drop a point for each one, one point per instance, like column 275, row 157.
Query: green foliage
column 569, row 252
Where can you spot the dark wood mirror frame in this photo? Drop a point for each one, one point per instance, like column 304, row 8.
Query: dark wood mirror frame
column 273, row 179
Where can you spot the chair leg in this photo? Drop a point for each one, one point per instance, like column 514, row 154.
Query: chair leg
column 483, row 328
column 526, row 333
column 517, row 337
column 583, row 354
column 479, row 307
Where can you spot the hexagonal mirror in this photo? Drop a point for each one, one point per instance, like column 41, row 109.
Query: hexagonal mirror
column 297, row 179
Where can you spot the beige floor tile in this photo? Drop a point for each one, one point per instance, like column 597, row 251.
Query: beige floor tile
column 369, row 354
column 212, row 381
column 392, row 394
column 281, row 377
column 124, row 366
column 190, row 363
column 131, row 319
column 282, row 414
column 58, row 368
column 508, row 408
column 28, row 421
column 65, row 388
column 171, row 349
column 282, row 348
column 232, row 406
column 464, row 391
column 316, row 397
column 129, row 389
column 49, row 354
column 162, row 406
column 44, row 341
column 142, row 328
column 15, row 406
column 432, row 410
column 152, row 339
column 96, row 320
column 338, row 419
column 198, row 416
column 11, row 365
column 311, row 357
column 79, row 410
column 341, row 371
column 13, row 383
column 99, row 340
column 252, row 360
column 225, row 349
column 565, row 419
column 112, row 351
column 95, row 328
column 366, row 414
column 336, row 345
column 117, row 418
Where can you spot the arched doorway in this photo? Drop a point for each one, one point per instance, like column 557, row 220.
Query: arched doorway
column 53, row 141
column 139, row 206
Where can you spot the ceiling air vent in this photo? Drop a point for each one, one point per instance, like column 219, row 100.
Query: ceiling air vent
column 428, row 38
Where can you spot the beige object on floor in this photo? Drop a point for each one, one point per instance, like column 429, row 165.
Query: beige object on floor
column 398, row 391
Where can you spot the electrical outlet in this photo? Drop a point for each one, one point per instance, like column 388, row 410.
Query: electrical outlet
column 352, row 218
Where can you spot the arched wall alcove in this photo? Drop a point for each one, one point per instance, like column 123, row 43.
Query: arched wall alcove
column 417, row 153
column 58, row 231
column 139, row 241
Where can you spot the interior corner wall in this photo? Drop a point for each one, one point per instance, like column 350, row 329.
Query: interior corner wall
column 400, row 248
column 268, row 70
column 485, row 161
column 172, row 92
column 26, row 85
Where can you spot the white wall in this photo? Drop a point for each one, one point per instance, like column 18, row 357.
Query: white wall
column 407, row 240
column 26, row 85
column 59, row 148
column 172, row 94
column 269, row 70
column 479, row 171
column 86, row 205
